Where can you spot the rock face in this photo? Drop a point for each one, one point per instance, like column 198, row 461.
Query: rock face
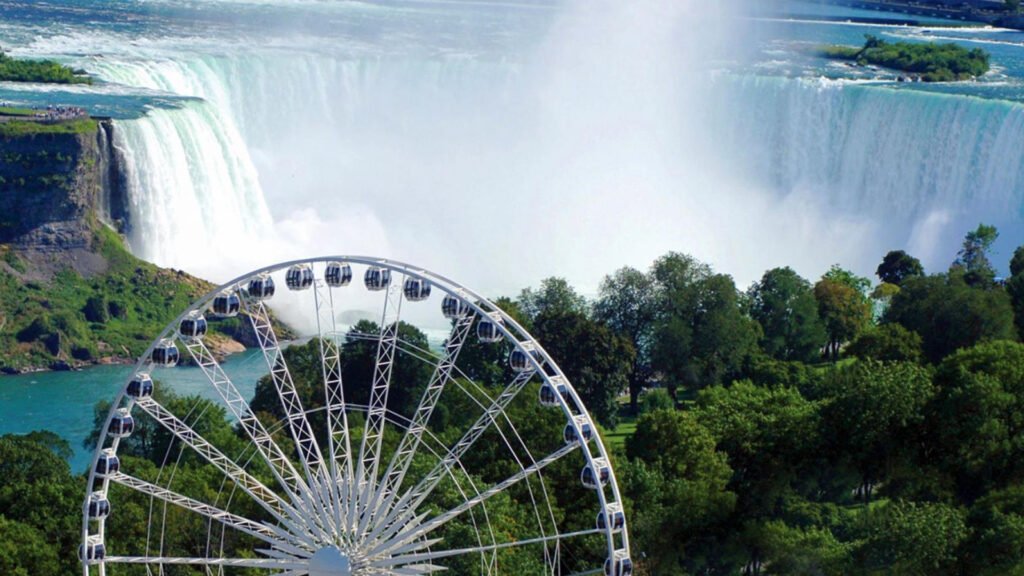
column 54, row 187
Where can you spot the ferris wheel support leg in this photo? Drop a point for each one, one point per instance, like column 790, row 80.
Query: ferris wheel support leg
column 266, row 534
column 301, row 431
column 280, row 466
column 339, row 444
column 395, row 536
column 400, row 462
column 256, row 490
column 414, row 497
column 373, row 434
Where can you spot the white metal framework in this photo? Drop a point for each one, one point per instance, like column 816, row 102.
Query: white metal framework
column 358, row 489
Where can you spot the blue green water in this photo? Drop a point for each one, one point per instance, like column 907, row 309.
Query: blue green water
column 63, row 401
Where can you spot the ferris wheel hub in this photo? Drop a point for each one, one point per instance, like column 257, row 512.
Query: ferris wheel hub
column 330, row 561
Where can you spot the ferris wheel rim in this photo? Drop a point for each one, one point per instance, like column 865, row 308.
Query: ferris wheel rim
column 542, row 365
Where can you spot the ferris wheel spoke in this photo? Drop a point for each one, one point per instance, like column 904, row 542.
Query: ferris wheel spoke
column 280, row 465
column 259, row 492
column 338, row 440
column 400, row 559
column 406, row 451
column 266, row 563
column 400, row 534
column 412, row 499
column 295, row 414
column 274, row 536
column 373, row 432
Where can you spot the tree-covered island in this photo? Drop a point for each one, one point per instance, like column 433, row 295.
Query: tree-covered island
column 930, row 62
column 43, row 71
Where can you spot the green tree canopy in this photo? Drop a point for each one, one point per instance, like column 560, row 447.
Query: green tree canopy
column 973, row 255
column 627, row 304
column 783, row 304
column 701, row 336
column 555, row 296
column 949, row 314
column 887, row 343
column 844, row 308
column 593, row 358
column 677, row 482
column 897, row 266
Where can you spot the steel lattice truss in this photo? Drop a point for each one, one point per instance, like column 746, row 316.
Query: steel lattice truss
column 322, row 492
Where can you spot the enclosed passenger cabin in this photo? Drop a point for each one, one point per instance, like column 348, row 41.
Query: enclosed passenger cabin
column 165, row 354
column 618, row 519
column 262, row 287
column 193, row 326
column 107, row 463
column 338, row 274
column 299, row 277
column 590, row 479
column 548, row 397
column 487, row 331
column 454, row 308
column 141, row 386
column 226, row 304
column 377, row 279
column 519, row 360
column 571, row 437
column 619, row 566
column 416, row 289
column 99, row 506
column 92, row 549
column 122, row 424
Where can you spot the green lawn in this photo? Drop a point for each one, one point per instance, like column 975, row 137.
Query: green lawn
column 617, row 437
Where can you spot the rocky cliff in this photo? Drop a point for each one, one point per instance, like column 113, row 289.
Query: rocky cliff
column 55, row 189
column 70, row 292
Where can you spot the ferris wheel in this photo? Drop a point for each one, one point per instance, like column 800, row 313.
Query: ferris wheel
column 463, row 476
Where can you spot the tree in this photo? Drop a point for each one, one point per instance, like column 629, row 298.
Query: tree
column 627, row 304
column 770, row 434
column 796, row 551
column 887, row 343
column 1015, row 288
column 949, row 314
column 1012, row 6
column 555, row 295
column 701, row 335
column 24, row 551
column 41, row 503
column 656, row 399
column 593, row 358
column 677, row 482
column 872, row 414
column 914, row 539
column 977, row 417
column 783, row 304
column 996, row 544
column 897, row 266
column 973, row 256
column 844, row 309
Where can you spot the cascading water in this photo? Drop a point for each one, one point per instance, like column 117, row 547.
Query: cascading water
column 193, row 196
column 609, row 143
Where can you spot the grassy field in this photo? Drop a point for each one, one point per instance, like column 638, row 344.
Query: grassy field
column 617, row 437
column 15, row 128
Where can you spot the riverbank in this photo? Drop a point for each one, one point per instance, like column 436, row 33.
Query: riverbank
column 963, row 11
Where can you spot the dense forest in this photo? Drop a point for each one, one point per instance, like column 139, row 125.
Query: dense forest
column 840, row 426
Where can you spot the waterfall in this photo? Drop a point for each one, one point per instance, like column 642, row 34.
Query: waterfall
column 416, row 155
column 929, row 165
column 194, row 195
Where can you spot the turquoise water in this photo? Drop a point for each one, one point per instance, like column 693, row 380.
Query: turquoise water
column 63, row 401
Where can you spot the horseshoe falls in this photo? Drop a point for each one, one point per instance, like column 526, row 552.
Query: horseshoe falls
column 511, row 142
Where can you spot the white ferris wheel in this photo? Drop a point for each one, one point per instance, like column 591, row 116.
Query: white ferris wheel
column 353, row 487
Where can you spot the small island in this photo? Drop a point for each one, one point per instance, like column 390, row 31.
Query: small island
column 929, row 62
column 42, row 71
